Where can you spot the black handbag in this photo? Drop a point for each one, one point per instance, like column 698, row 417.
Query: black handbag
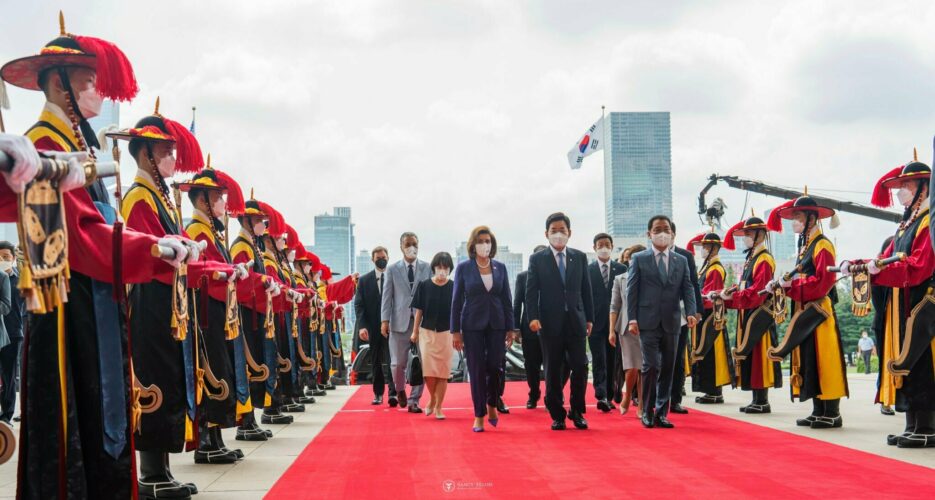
column 414, row 366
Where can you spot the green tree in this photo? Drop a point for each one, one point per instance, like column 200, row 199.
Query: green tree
column 850, row 325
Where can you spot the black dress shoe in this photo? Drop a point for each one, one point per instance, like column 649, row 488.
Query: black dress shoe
column 558, row 425
column 663, row 422
column 502, row 407
column 578, row 419
column 414, row 408
column 393, row 402
column 603, row 405
column 532, row 403
column 377, row 400
column 401, row 397
column 677, row 408
column 647, row 421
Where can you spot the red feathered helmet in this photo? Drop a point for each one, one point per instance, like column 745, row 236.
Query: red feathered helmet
column 211, row 179
column 751, row 223
column 915, row 171
column 703, row 239
column 157, row 128
column 277, row 224
column 115, row 77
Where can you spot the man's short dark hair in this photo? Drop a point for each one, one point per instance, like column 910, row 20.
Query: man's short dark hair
column 649, row 227
column 407, row 234
column 377, row 250
column 603, row 236
column 538, row 248
column 442, row 259
column 6, row 245
column 557, row 216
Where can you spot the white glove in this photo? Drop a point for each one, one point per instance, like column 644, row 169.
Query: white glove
column 102, row 135
column 711, row 295
column 299, row 298
column 180, row 251
column 240, row 272
column 25, row 161
column 194, row 249
column 785, row 284
column 75, row 178
column 276, row 290
column 845, row 268
column 872, row 267
column 726, row 296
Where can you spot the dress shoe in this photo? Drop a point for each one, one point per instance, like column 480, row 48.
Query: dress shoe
column 558, row 425
column 603, row 405
column 677, row 408
column 532, row 403
column 414, row 408
column 401, row 397
column 758, row 409
column 663, row 422
column 502, row 407
column 393, row 402
column 377, row 400
column 276, row 418
column 578, row 419
column 647, row 420
column 827, row 422
column 886, row 410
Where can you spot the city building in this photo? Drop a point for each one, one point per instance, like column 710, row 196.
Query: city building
column 334, row 240
column 637, row 173
column 364, row 264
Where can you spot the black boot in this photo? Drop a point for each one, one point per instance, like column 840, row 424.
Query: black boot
column 289, row 405
column 274, row 416
column 760, row 404
column 209, row 451
column 924, row 434
column 192, row 489
column 818, row 409
column 831, row 418
column 219, row 439
column 155, row 479
column 893, row 439
column 249, row 431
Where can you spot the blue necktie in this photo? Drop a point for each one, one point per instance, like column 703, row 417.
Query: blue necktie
column 561, row 265
column 663, row 272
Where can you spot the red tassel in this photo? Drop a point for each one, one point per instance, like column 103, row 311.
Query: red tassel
column 325, row 273
column 235, row 201
column 315, row 261
column 775, row 221
column 882, row 197
column 729, row 235
column 292, row 238
column 277, row 224
column 690, row 246
column 187, row 150
column 115, row 77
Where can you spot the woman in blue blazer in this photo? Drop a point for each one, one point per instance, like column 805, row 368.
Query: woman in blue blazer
column 482, row 321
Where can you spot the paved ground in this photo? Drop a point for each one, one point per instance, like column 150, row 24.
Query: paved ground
column 864, row 429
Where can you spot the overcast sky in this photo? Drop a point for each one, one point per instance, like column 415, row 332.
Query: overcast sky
column 436, row 116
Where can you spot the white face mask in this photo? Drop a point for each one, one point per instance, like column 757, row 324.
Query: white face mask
column 219, row 207
column 603, row 253
column 904, row 195
column 482, row 249
column 166, row 166
column 662, row 240
column 411, row 251
column 6, row 265
column 558, row 240
column 748, row 241
column 441, row 273
column 291, row 256
column 307, row 268
column 798, row 226
column 90, row 102
column 704, row 253
column 259, row 228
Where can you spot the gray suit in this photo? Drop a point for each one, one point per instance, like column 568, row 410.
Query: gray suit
column 654, row 304
column 397, row 297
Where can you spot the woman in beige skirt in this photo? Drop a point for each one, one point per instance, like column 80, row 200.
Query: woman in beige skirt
column 431, row 330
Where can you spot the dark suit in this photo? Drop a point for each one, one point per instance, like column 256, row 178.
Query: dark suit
column 532, row 348
column 11, row 337
column 654, row 304
column 678, row 379
column 367, row 303
column 603, row 355
column 563, row 307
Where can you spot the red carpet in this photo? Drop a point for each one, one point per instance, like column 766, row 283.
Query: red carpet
column 393, row 454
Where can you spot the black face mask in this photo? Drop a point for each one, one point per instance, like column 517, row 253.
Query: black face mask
column 381, row 263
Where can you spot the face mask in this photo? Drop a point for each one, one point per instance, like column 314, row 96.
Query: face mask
column 748, row 241
column 411, row 252
column 6, row 265
column 307, row 268
column 558, row 240
column 291, row 256
column 90, row 102
column 441, row 273
column 259, row 228
column 166, row 166
column 280, row 244
column 219, row 207
column 904, row 195
column 603, row 253
column 381, row 263
column 662, row 240
column 798, row 226
column 704, row 253
column 482, row 249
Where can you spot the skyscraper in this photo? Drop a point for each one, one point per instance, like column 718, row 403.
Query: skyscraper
column 637, row 173
column 334, row 240
column 513, row 262
column 364, row 262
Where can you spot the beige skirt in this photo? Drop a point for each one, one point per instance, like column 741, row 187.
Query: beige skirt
column 436, row 351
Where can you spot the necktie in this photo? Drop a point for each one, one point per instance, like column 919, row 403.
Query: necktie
column 663, row 272
column 381, row 284
column 604, row 273
column 561, row 265
column 412, row 277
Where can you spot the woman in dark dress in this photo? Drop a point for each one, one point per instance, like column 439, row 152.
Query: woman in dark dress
column 432, row 306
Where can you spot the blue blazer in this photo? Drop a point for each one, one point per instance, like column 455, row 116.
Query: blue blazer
column 473, row 308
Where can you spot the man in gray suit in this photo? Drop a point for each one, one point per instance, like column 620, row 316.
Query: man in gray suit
column 658, row 280
column 396, row 314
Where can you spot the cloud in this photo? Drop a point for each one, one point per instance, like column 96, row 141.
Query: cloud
column 481, row 118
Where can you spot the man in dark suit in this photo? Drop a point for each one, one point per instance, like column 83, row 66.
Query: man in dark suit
column 656, row 284
column 603, row 355
column 561, row 311
column 367, row 303
column 532, row 348
column 678, row 379
column 13, row 309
